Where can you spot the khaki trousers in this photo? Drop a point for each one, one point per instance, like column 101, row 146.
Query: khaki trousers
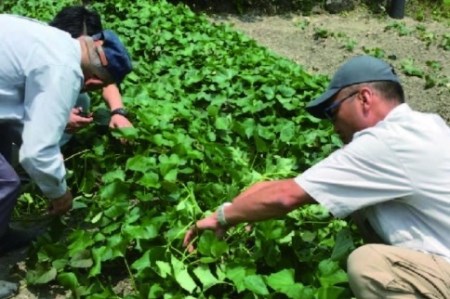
column 389, row 272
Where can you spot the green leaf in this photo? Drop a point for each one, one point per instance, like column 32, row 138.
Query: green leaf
column 141, row 163
column 164, row 269
column 150, row 180
column 116, row 190
column 98, row 255
column 286, row 91
column 81, row 263
column 68, row 280
column 97, row 217
column 117, row 174
column 269, row 92
column 59, row 264
column 182, row 276
column 41, row 276
column 332, row 293
column 237, row 274
column 255, row 283
column 128, row 133
column 282, row 280
column 171, row 175
column 156, row 291
column 205, row 276
column 141, row 263
column 331, row 274
column 344, row 244
column 210, row 245
column 146, row 232
column 221, row 123
column 80, row 241
column 410, row 69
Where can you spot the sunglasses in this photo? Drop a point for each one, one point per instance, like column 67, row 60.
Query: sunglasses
column 330, row 111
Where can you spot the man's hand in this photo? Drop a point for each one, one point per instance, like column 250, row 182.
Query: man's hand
column 208, row 223
column 119, row 121
column 77, row 120
column 61, row 205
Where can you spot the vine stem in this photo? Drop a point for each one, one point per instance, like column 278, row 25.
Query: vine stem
column 133, row 281
column 77, row 154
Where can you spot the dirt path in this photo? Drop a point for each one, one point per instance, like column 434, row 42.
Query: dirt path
column 321, row 43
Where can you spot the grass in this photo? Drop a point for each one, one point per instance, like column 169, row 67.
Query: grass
column 429, row 10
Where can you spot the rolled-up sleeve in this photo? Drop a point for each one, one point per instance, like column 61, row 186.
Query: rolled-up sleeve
column 50, row 94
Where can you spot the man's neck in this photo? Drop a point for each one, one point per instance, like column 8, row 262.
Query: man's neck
column 85, row 60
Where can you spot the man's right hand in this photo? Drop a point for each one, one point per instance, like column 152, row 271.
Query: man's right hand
column 61, row 205
column 77, row 120
column 208, row 223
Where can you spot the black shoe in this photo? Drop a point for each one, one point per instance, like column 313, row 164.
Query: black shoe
column 8, row 289
column 14, row 239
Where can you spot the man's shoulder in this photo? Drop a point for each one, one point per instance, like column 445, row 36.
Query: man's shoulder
column 19, row 18
column 404, row 122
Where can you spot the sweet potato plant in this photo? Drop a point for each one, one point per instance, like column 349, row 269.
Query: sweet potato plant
column 213, row 113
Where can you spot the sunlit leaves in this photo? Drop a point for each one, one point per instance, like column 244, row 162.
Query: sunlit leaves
column 284, row 282
column 210, row 245
column 204, row 275
column 213, row 112
column 256, row 284
column 182, row 275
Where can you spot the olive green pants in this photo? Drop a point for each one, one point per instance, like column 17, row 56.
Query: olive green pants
column 389, row 272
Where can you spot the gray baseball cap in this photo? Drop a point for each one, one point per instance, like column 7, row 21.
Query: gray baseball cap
column 358, row 69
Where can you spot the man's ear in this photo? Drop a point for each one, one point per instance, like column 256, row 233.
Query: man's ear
column 93, row 83
column 366, row 98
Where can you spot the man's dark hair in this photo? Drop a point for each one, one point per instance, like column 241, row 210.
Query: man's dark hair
column 390, row 90
column 78, row 20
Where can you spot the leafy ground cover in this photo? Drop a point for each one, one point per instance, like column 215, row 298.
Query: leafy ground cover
column 214, row 112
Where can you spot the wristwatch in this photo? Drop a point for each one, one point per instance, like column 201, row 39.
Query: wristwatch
column 221, row 214
column 120, row 111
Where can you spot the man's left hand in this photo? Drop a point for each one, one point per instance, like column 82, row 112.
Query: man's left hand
column 119, row 121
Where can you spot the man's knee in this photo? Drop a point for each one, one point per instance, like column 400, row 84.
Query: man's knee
column 9, row 184
column 9, row 191
column 13, row 184
column 365, row 268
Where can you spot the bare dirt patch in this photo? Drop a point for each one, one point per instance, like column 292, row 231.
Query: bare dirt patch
column 320, row 43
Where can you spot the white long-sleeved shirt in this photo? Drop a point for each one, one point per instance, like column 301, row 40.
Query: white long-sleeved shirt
column 40, row 79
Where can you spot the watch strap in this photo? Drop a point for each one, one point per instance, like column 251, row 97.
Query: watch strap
column 120, row 111
column 221, row 214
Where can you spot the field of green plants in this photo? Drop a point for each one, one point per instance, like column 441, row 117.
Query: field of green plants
column 213, row 113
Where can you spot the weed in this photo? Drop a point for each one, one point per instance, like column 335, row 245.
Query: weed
column 445, row 42
column 376, row 52
column 322, row 33
column 400, row 27
column 303, row 24
column 410, row 69
column 350, row 44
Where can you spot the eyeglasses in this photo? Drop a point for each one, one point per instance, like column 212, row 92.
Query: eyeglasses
column 330, row 111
